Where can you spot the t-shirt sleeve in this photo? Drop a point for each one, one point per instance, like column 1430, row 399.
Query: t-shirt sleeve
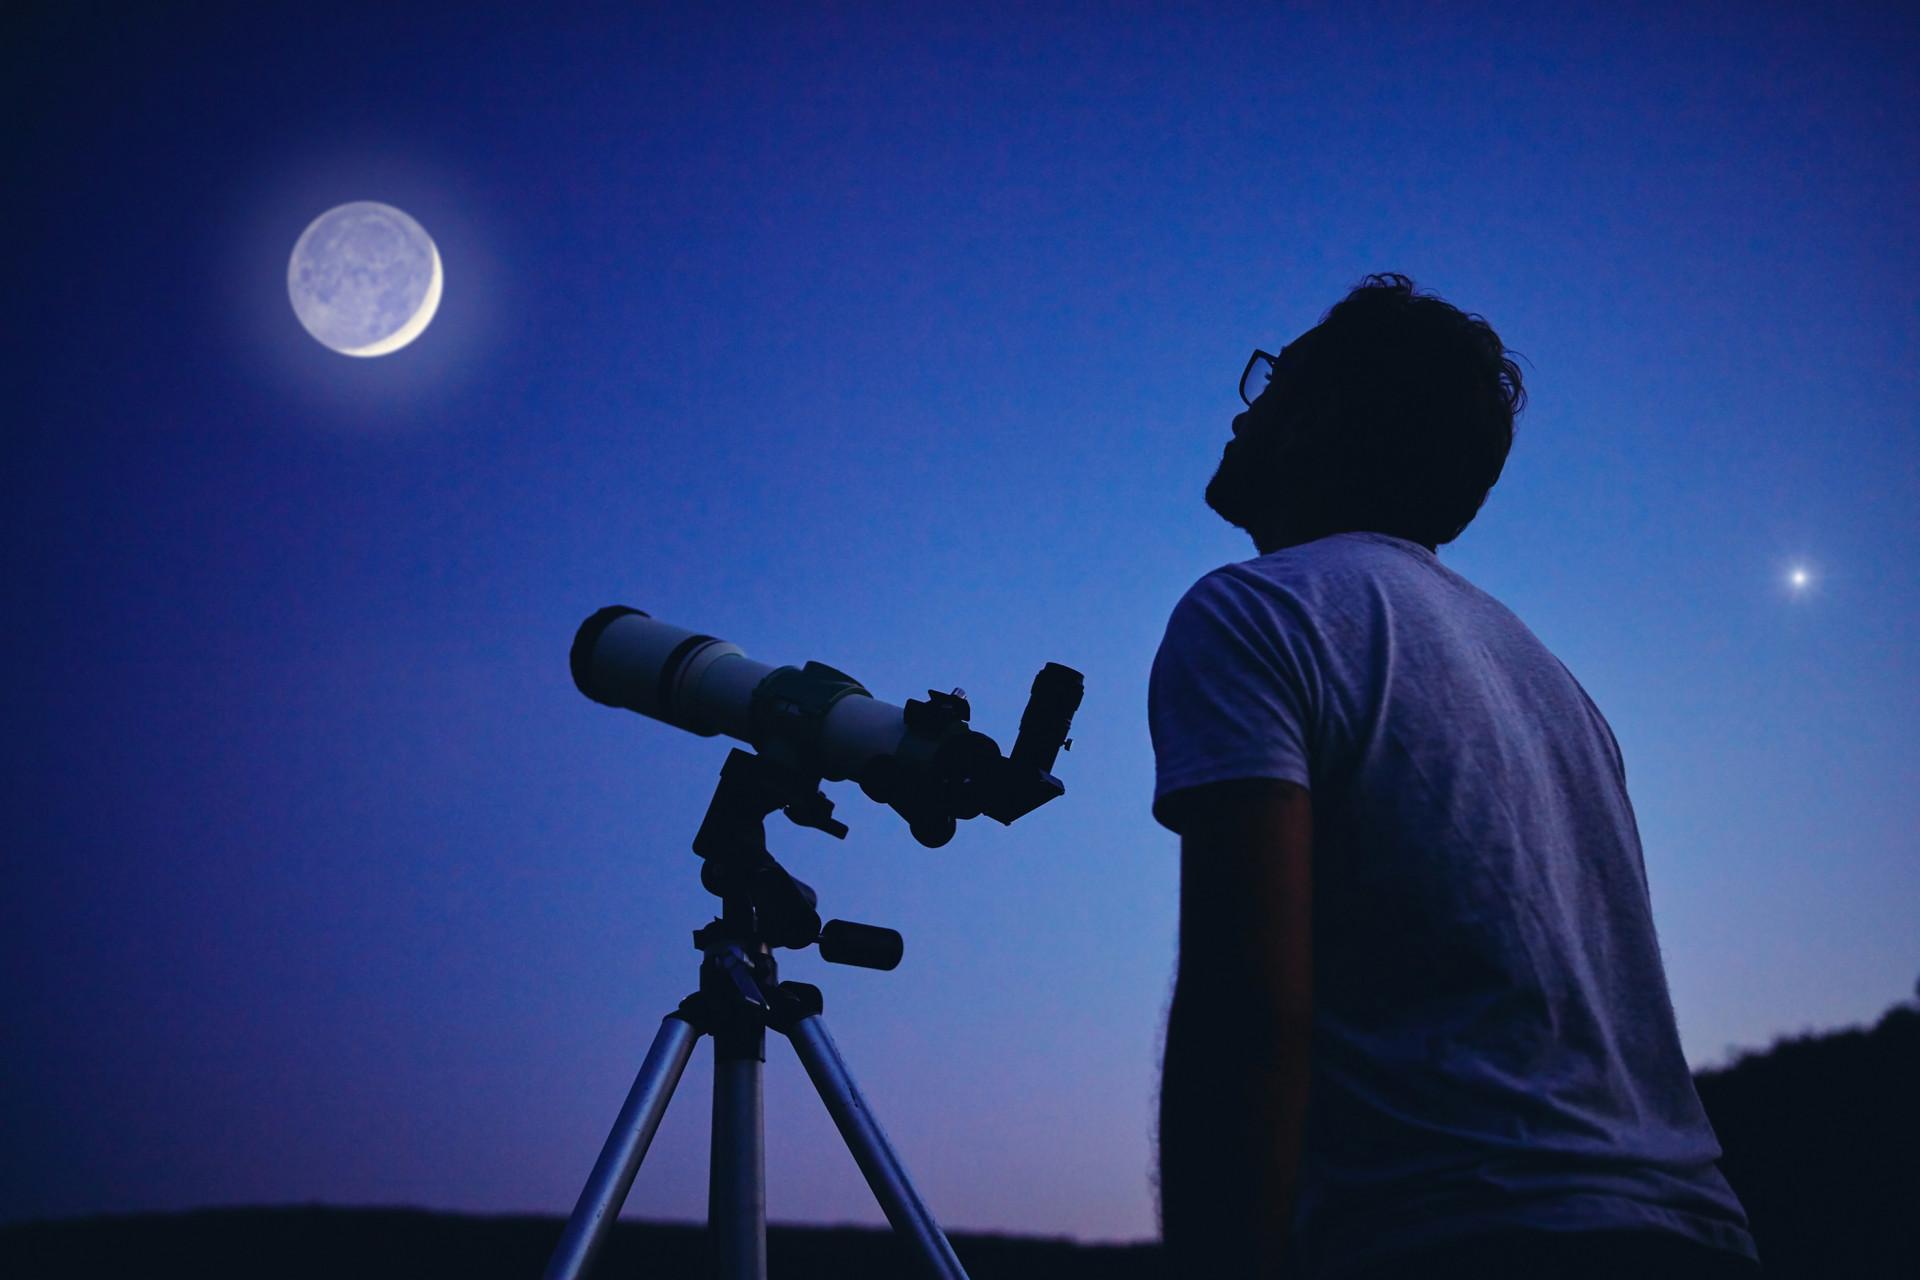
column 1229, row 697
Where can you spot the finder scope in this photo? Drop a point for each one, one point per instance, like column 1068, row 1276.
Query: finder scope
column 923, row 759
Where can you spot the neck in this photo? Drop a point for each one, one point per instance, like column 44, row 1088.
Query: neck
column 1267, row 542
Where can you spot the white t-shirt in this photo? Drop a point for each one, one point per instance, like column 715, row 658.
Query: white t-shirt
column 1493, row 1042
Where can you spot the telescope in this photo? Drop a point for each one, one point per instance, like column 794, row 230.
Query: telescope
column 922, row 760
column 808, row 723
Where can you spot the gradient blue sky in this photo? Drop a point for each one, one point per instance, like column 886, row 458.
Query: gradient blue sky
column 903, row 340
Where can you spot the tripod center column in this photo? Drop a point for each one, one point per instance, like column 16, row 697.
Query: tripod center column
column 737, row 1189
column 734, row 979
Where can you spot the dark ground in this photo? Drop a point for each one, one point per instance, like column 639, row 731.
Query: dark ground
column 1821, row 1137
column 375, row 1244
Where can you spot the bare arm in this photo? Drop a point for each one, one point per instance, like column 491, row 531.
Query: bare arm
column 1233, row 1091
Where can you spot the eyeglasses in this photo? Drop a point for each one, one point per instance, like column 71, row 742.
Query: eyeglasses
column 1255, row 377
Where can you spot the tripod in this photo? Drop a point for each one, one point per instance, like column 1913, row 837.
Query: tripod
column 739, row 997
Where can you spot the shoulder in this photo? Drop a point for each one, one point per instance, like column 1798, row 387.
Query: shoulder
column 1250, row 604
column 1272, row 582
column 1222, row 613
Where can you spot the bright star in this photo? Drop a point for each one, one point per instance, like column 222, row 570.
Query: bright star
column 1799, row 578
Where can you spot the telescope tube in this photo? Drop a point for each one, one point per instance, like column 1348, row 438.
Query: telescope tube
column 814, row 718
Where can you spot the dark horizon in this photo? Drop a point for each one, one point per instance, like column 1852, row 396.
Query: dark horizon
column 1819, row 1134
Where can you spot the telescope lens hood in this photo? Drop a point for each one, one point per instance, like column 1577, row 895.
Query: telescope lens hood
column 580, row 659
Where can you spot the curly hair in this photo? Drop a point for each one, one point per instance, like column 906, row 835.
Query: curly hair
column 1407, row 406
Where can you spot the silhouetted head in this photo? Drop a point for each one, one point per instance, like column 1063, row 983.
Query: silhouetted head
column 1393, row 414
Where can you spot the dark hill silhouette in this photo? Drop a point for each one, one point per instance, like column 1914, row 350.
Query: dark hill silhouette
column 1821, row 1139
column 1821, row 1135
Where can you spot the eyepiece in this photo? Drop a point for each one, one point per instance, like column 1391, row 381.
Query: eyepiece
column 1048, row 719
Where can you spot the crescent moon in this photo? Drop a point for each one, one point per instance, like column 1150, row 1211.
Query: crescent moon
column 415, row 326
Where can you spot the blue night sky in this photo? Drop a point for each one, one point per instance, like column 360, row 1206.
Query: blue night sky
column 905, row 340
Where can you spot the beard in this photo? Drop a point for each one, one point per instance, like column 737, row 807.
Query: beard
column 1257, row 488
column 1228, row 493
column 1243, row 490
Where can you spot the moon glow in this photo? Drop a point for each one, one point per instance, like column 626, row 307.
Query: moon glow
column 364, row 279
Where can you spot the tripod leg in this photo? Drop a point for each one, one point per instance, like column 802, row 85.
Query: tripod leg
column 737, row 1185
column 613, row 1172
column 883, row 1170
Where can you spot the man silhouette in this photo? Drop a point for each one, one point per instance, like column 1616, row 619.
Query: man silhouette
column 1421, row 1025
